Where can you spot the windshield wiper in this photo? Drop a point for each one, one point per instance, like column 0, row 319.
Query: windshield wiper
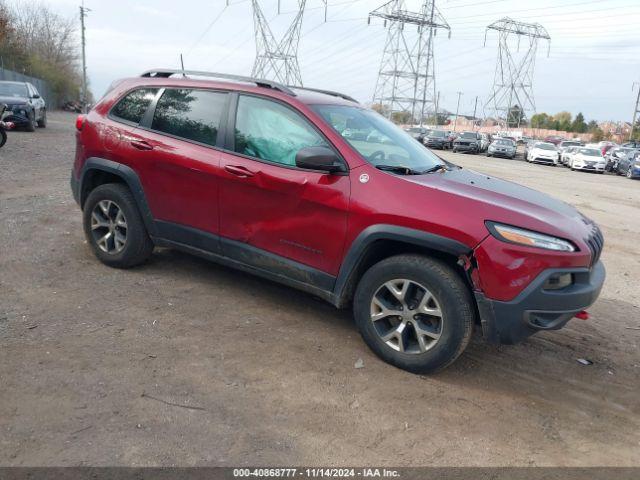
column 436, row 168
column 398, row 169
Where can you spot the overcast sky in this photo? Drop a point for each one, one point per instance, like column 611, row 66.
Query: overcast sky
column 594, row 57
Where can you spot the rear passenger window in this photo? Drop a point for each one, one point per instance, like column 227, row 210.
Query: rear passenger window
column 190, row 114
column 132, row 107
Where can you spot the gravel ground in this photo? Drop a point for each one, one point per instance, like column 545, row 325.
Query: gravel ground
column 183, row 362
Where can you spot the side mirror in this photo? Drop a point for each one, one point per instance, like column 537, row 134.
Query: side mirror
column 35, row 95
column 319, row 158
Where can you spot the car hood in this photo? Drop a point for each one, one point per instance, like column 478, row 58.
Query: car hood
column 542, row 151
column 588, row 158
column 13, row 100
column 490, row 198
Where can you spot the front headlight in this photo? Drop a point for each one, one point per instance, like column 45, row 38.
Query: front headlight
column 528, row 238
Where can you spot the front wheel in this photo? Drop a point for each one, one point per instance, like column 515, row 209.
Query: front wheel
column 414, row 312
column 3, row 137
column 31, row 126
column 42, row 123
column 629, row 173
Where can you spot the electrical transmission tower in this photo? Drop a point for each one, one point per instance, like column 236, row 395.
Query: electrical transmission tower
column 406, row 80
column 277, row 60
column 512, row 94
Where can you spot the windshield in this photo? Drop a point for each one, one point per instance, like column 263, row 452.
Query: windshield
column 437, row 133
column 569, row 144
column 378, row 141
column 590, row 152
column 13, row 90
column 504, row 142
column 416, row 130
column 468, row 135
column 545, row 146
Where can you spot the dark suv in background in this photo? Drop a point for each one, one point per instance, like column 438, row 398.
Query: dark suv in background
column 440, row 139
column 269, row 179
column 25, row 107
column 468, row 142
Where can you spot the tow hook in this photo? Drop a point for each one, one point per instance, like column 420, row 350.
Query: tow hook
column 583, row 315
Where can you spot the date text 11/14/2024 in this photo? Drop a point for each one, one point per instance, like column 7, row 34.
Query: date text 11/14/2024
column 315, row 472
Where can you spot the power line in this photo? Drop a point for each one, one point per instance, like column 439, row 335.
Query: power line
column 206, row 30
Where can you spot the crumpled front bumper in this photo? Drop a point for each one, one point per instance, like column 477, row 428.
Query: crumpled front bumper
column 536, row 308
column 17, row 118
column 461, row 147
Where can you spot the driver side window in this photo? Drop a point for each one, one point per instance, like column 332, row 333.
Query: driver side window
column 269, row 131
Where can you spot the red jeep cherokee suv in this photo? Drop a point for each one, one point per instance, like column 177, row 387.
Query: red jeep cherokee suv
column 311, row 189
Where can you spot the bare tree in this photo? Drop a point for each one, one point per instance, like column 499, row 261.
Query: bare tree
column 39, row 41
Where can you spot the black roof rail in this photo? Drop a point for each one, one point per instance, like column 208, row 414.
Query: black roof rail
column 166, row 73
column 328, row 92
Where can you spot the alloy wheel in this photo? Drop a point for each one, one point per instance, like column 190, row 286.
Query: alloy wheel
column 629, row 173
column 406, row 316
column 109, row 227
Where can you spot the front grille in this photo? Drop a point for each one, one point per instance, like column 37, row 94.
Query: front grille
column 595, row 242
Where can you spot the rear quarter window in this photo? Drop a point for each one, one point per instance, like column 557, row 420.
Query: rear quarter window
column 132, row 107
column 190, row 114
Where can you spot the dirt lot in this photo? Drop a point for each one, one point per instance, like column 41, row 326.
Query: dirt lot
column 97, row 366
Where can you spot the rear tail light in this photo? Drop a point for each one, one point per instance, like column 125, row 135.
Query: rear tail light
column 79, row 122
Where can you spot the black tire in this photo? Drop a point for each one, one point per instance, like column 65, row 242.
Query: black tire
column 489, row 155
column 42, row 123
column 138, row 246
column 453, row 298
column 31, row 126
column 3, row 137
column 629, row 173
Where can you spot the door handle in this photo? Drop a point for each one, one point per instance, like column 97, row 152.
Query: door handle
column 141, row 145
column 238, row 171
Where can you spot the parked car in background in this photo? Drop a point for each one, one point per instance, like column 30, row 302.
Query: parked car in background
column 567, row 153
column 543, row 152
column 528, row 145
column 523, row 140
column 632, row 144
column 605, row 146
column 502, row 147
column 614, row 155
column 467, row 142
column 569, row 143
column 26, row 108
column 419, row 133
column 554, row 139
column 440, row 139
column 629, row 165
column 247, row 172
column 589, row 159
column 485, row 141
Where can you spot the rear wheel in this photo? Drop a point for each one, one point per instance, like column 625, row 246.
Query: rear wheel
column 414, row 312
column 114, row 227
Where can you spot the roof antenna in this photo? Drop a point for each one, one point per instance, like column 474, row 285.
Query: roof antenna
column 182, row 65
